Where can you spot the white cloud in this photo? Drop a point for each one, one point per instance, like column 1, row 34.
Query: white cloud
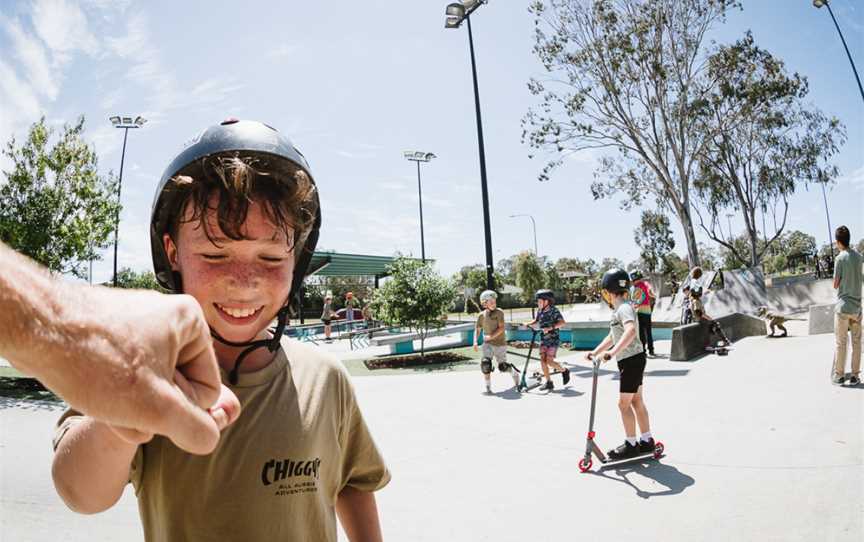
column 855, row 179
column 63, row 27
column 284, row 50
column 33, row 57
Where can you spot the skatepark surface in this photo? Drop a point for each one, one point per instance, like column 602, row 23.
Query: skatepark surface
column 759, row 446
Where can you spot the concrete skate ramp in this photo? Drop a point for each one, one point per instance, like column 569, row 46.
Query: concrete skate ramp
column 744, row 291
column 688, row 341
column 801, row 296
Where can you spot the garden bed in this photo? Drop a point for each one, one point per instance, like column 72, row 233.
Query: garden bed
column 414, row 360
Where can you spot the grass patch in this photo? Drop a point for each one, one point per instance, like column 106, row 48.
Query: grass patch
column 25, row 389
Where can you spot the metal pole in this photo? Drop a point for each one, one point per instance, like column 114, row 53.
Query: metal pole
column 420, row 197
column 119, row 190
column 534, row 226
column 490, row 278
column 828, row 219
column 858, row 79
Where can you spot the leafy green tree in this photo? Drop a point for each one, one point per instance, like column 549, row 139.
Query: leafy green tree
column 553, row 280
column 141, row 280
column 860, row 246
column 654, row 239
column 414, row 296
column 765, row 142
column 624, row 76
column 610, row 263
column 54, row 205
column 529, row 275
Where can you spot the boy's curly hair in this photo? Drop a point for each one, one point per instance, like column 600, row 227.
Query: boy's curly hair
column 284, row 190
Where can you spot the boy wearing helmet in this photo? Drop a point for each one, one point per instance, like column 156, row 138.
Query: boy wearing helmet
column 549, row 320
column 491, row 322
column 235, row 222
column 622, row 343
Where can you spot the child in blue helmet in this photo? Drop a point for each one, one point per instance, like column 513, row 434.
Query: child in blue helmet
column 548, row 321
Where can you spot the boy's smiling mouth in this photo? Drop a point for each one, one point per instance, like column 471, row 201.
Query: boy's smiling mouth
column 238, row 315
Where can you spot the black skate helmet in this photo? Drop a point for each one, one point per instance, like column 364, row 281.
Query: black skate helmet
column 544, row 294
column 635, row 275
column 243, row 139
column 615, row 281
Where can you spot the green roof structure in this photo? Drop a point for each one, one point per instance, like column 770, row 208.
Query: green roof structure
column 338, row 264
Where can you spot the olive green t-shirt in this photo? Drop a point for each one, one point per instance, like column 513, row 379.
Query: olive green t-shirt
column 847, row 267
column 490, row 322
column 277, row 471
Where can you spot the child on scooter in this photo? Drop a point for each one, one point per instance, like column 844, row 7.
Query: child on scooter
column 549, row 320
column 491, row 322
column 622, row 344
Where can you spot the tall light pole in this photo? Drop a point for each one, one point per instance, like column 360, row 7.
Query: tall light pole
column 729, row 223
column 125, row 123
column 828, row 219
column 534, row 226
column 819, row 4
column 419, row 156
column 456, row 13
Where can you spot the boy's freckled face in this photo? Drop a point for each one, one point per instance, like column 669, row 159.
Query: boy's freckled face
column 240, row 285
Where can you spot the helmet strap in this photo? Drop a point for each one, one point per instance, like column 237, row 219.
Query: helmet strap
column 271, row 344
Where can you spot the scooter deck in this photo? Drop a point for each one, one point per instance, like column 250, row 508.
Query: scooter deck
column 586, row 462
column 612, row 462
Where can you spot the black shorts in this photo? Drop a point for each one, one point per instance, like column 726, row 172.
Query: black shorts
column 326, row 321
column 632, row 369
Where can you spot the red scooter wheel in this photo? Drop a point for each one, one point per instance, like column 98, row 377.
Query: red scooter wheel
column 658, row 450
column 585, row 466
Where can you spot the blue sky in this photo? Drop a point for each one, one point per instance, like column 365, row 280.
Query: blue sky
column 353, row 84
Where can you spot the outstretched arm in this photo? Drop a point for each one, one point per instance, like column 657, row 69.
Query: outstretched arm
column 134, row 358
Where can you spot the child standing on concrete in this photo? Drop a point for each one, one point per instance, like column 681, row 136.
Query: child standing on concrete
column 549, row 320
column 327, row 316
column 622, row 344
column 491, row 322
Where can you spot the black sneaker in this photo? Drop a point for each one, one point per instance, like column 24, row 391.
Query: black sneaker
column 549, row 386
column 566, row 376
column 625, row 451
column 854, row 380
column 838, row 380
column 646, row 446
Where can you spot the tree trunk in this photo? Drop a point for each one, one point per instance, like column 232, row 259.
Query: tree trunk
column 689, row 235
column 754, row 249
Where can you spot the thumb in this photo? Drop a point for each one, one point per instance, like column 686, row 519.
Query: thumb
column 187, row 425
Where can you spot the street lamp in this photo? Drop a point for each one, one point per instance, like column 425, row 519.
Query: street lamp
column 828, row 219
column 456, row 13
column 819, row 4
column 125, row 123
column 419, row 156
column 534, row 226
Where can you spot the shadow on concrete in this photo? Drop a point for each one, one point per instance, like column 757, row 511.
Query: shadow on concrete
column 668, row 372
column 509, row 394
column 567, row 392
column 668, row 476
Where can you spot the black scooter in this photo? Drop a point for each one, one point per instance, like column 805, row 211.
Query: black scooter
column 591, row 447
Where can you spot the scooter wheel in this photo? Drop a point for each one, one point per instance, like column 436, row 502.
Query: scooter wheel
column 585, row 466
column 658, row 450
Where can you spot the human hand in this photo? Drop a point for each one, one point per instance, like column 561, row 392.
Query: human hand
column 475, row 347
column 224, row 412
column 143, row 361
column 607, row 355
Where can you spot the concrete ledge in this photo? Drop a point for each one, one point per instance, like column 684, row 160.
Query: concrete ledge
column 688, row 341
column 821, row 319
